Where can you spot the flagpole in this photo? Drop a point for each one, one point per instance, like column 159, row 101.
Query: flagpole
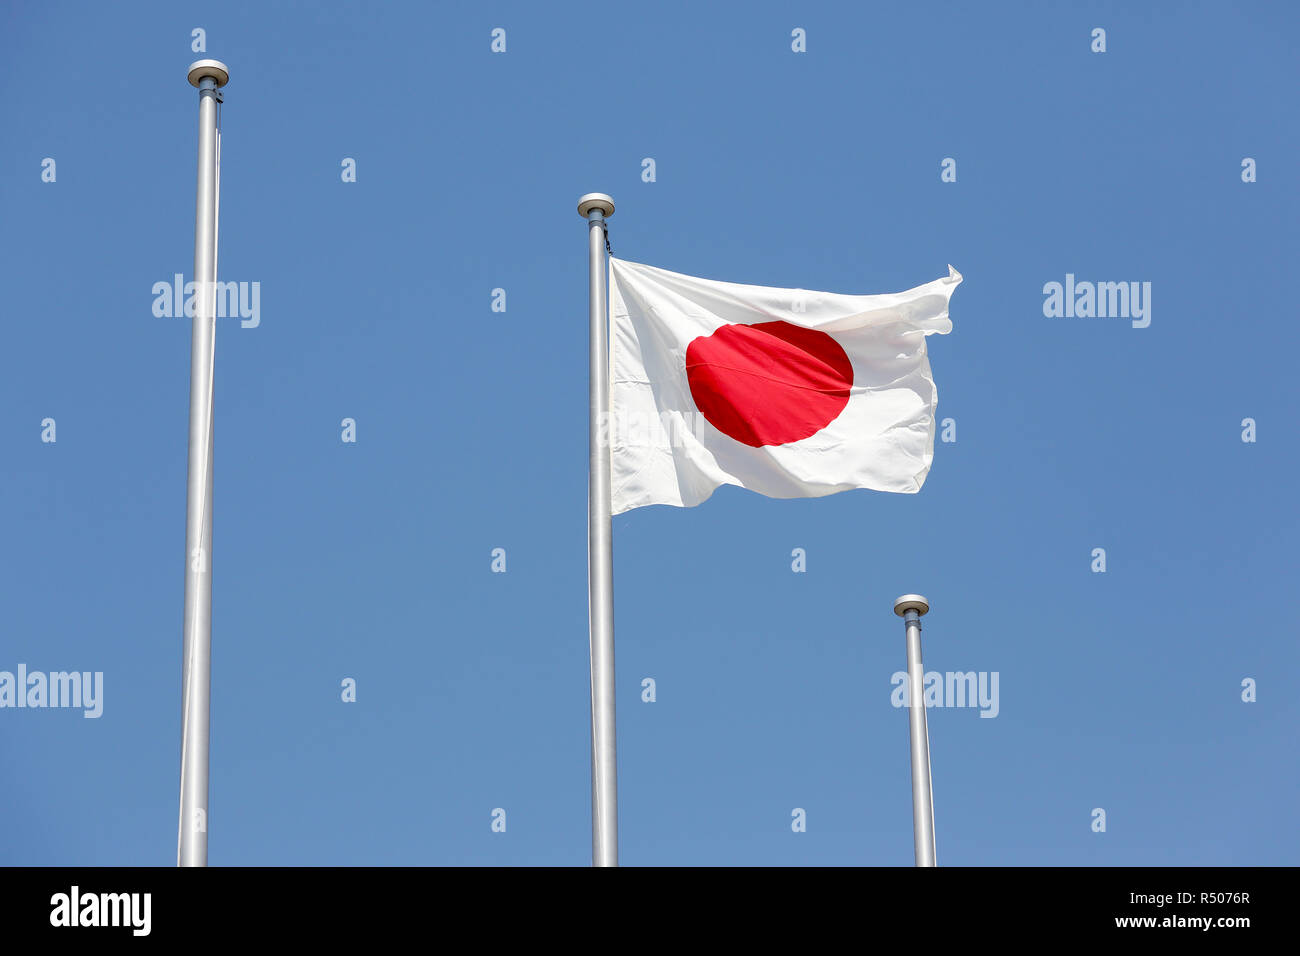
column 192, row 837
column 911, row 607
column 595, row 207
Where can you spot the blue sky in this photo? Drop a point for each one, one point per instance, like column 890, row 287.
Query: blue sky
column 1118, row 690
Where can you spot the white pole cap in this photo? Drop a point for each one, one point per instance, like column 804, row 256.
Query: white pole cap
column 911, row 602
column 595, row 201
column 213, row 68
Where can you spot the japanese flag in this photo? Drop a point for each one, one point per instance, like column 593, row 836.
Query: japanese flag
column 790, row 393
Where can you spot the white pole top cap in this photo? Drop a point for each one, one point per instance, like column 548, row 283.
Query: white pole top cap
column 213, row 68
column 595, row 201
column 911, row 602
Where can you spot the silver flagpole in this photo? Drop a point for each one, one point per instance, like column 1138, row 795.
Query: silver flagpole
column 192, row 837
column 910, row 607
column 594, row 207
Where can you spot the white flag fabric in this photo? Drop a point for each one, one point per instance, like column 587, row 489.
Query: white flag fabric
column 790, row 393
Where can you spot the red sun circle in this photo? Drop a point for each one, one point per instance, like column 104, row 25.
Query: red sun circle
column 768, row 384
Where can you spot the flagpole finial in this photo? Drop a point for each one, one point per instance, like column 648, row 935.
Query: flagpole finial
column 593, row 201
column 911, row 602
column 213, row 68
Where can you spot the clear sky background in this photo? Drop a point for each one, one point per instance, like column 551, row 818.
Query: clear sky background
column 1118, row 690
